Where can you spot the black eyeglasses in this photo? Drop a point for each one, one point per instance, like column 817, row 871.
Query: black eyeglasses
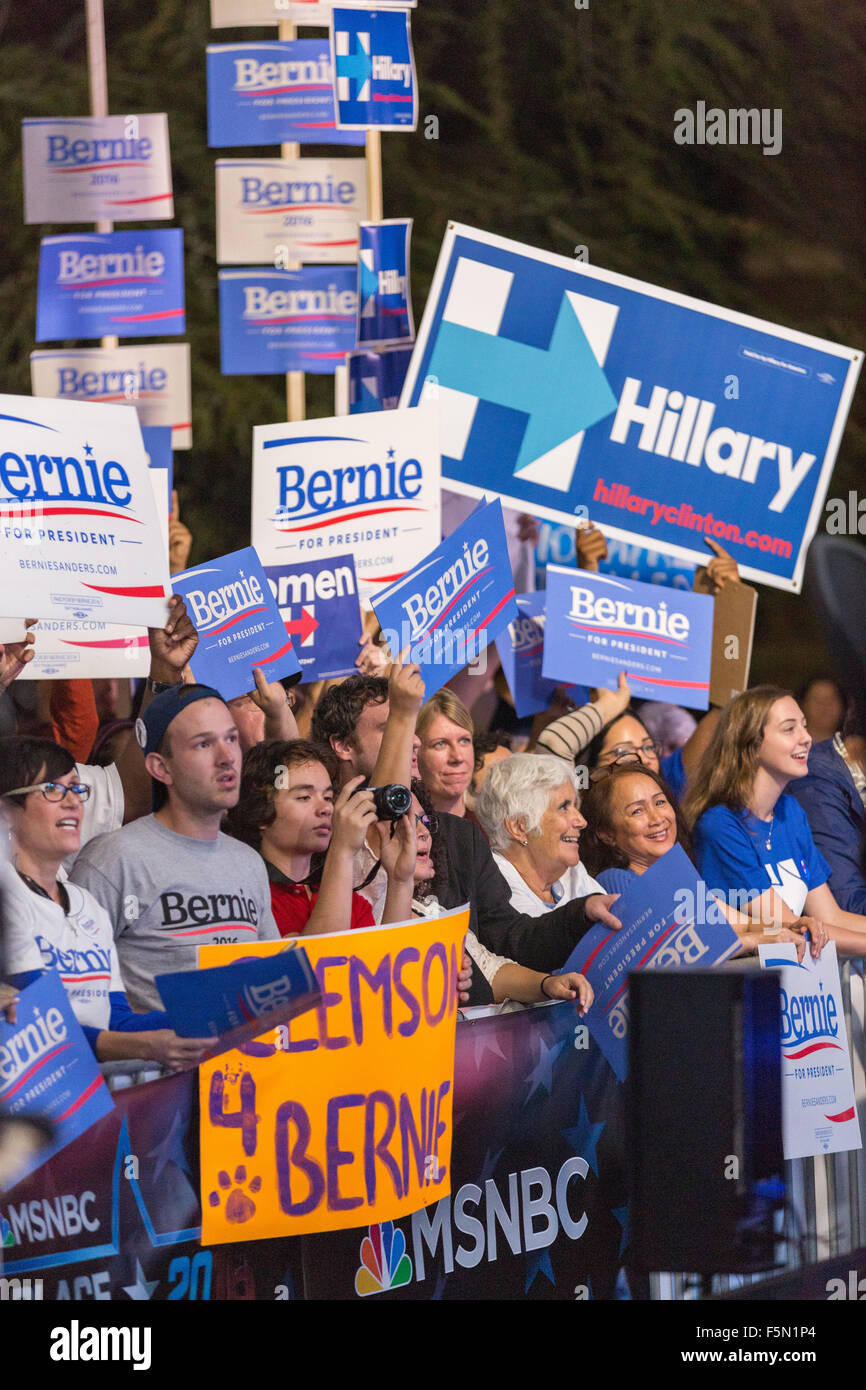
column 598, row 774
column 430, row 823
column 53, row 791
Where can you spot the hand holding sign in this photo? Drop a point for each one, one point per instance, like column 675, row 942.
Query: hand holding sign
column 14, row 656
column 598, row 909
column 172, row 646
column 179, row 538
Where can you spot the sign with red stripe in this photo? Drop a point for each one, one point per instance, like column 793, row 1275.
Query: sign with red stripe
column 83, row 168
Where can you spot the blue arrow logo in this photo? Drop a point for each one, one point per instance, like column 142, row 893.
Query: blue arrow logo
column 561, row 388
column 356, row 65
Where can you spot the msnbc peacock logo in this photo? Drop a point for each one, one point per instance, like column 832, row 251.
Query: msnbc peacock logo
column 7, row 1238
column 384, row 1262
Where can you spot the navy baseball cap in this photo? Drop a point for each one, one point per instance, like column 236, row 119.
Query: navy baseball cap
column 151, row 725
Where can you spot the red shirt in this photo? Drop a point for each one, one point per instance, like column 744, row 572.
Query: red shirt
column 293, row 904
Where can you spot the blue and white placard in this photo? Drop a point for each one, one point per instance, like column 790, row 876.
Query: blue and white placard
column 374, row 70
column 286, row 320
column 659, row 931
column 376, row 378
column 819, row 1108
column 47, row 1068
column 318, row 601
column 81, row 169
column 384, row 301
column 126, row 283
column 268, row 93
column 563, row 387
column 238, row 622
column 80, row 535
column 598, row 626
column 276, row 211
column 521, row 651
column 370, row 486
column 152, row 377
column 445, row 611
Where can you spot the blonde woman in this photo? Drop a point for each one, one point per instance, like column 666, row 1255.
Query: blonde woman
column 446, row 758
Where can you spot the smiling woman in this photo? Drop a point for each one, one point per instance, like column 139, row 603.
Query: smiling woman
column 446, row 758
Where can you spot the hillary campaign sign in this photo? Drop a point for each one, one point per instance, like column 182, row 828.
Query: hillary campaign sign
column 270, row 93
column 521, row 650
column 598, row 626
column 126, row 283
column 318, row 602
column 79, row 526
column 562, row 386
column 384, row 302
column 286, row 320
column 374, row 70
column 318, row 492
column 153, row 377
column 658, row 932
column 376, row 378
column 344, row 1117
column 445, row 611
column 819, row 1107
column 274, row 211
column 48, row 1069
column 238, row 623
column 81, row 169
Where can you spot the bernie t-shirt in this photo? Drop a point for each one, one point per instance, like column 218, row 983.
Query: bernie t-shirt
column 79, row 944
column 731, row 852
column 167, row 894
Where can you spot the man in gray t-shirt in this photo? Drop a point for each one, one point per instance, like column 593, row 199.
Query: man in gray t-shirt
column 172, row 881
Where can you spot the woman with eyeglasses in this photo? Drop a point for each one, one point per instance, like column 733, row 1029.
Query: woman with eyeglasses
column 505, row 979
column 54, row 924
column 632, row 822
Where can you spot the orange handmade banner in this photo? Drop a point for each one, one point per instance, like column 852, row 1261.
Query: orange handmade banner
column 341, row 1117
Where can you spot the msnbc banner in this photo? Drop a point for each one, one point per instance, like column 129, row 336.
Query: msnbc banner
column 598, row 626
column 153, row 377
column 126, row 283
column 318, row 492
column 343, row 1118
column 521, row 648
column 275, row 211
column 563, row 387
column 384, row 302
column 376, row 378
column 286, row 320
column 79, row 527
column 81, row 169
column 48, row 1069
column 819, row 1108
column 444, row 613
column 318, row 602
column 374, row 70
column 668, row 921
column 238, row 624
column 270, row 93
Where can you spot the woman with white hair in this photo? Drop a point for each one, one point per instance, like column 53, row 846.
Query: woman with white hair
column 529, row 810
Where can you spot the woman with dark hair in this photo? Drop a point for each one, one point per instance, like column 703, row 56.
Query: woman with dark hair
column 54, row 924
column 632, row 822
column 308, row 839
column 747, row 832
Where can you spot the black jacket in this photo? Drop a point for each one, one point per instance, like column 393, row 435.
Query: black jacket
column 467, row 872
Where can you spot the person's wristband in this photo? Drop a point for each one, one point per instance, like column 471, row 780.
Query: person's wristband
column 543, row 990
column 159, row 687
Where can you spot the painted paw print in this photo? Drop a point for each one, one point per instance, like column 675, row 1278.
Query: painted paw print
column 239, row 1207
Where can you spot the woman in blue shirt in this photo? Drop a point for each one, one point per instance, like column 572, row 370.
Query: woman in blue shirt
column 748, row 833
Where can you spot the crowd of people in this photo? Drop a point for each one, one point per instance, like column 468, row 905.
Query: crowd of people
column 132, row 842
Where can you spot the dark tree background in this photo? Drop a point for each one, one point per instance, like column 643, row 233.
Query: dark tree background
column 555, row 127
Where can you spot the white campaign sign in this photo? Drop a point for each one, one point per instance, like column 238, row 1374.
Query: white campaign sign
column 80, row 533
column 283, row 211
column 153, row 378
column 81, row 169
column 365, row 483
column 71, row 648
column 226, row 14
column 819, row 1111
